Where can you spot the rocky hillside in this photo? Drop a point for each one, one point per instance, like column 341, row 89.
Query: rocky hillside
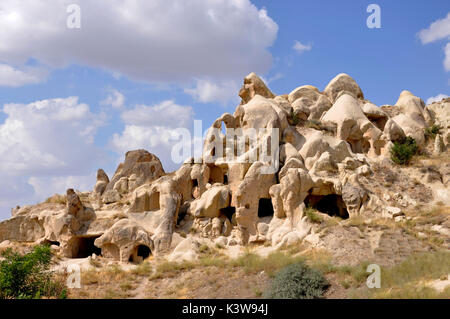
column 316, row 171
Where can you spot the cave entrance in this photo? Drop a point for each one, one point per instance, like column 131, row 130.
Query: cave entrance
column 216, row 175
column 228, row 212
column 85, row 247
column 51, row 242
column 332, row 204
column 140, row 253
column 180, row 217
column 265, row 208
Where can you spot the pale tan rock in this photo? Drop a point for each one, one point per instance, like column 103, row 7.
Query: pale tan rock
column 144, row 165
column 253, row 85
column 353, row 126
column 102, row 182
column 343, row 83
column 414, row 107
column 110, row 196
column 439, row 146
column 121, row 186
column 123, row 241
column 393, row 131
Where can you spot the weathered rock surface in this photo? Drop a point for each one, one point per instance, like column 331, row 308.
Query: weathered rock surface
column 327, row 151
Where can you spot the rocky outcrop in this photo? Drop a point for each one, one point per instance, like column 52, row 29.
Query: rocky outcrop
column 102, row 182
column 140, row 167
column 262, row 169
column 126, row 241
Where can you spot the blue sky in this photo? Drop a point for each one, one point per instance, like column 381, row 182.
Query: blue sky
column 139, row 70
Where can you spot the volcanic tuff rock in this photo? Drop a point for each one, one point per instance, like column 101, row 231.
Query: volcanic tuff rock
column 330, row 153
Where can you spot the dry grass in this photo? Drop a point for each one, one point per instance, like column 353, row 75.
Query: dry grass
column 406, row 280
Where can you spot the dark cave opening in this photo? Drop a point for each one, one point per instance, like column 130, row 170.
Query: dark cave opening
column 228, row 212
column 332, row 204
column 143, row 251
column 51, row 242
column 181, row 216
column 140, row 253
column 265, row 208
column 85, row 247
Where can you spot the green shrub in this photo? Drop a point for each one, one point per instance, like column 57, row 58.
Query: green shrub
column 402, row 151
column 432, row 131
column 297, row 281
column 28, row 276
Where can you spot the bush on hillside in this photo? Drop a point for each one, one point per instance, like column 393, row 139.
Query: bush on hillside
column 402, row 151
column 27, row 276
column 297, row 281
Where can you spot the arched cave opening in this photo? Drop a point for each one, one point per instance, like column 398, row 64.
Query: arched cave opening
column 140, row 253
column 265, row 208
column 85, row 247
column 332, row 204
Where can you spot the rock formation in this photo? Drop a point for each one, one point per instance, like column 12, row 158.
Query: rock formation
column 320, row 150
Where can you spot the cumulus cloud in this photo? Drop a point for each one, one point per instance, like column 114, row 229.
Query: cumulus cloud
column 207, row 91
column 154, row 40
column 300, row 48
column 439, row 29
column 44, row 142
column 154, row 128
column 115, row 99
column 14, row 77
column 436, row 98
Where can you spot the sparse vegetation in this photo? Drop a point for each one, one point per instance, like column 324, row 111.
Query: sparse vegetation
column 27, row 276
column 403, row 151
column 297, row 281
column 313, row 216
column 295, row 119
column 432, row 131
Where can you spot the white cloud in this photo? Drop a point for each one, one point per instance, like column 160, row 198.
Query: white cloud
column 207, row 91
column 447, row 57
column 45, row 142
column 13, row 77
column 153, row 128
column 156, row 40
column 300, row 48
column 436, row 98
column 439, row 29
column 115, row 99
column 47, row 186
column 165, row 114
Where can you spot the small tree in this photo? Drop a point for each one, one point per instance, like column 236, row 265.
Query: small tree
column 297, row 281
column 402, row 151
column 28, row 276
